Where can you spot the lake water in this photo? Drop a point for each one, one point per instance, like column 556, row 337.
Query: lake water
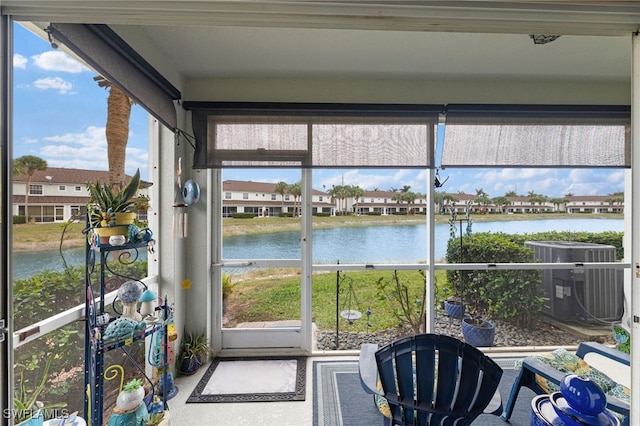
column 368, row 244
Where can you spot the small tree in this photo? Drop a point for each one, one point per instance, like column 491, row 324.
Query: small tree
column 407, row 307
column 26, row 166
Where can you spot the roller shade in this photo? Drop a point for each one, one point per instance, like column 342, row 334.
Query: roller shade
column 537, row 136
column 115, row 60
column 316, row 139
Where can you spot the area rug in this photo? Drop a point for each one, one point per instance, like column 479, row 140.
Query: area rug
column 252, row 380
column 339, row 400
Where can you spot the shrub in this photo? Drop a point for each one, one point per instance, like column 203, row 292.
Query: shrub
column 323, row 214
column 374, row 213
column 19, row 219
column 243, row 215
column 514, row 296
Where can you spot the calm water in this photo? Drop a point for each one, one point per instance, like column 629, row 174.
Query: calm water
column 371, row 244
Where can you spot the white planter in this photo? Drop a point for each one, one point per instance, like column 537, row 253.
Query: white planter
column 129, row 401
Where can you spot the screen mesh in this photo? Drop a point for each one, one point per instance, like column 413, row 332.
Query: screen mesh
column 361, row 142
column 258, row 144
column 370, row 145
column 537, row 136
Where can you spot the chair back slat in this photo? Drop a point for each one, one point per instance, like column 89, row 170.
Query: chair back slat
column 431, row 379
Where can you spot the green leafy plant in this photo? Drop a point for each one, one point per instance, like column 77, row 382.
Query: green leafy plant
column 132, row 385
column 514, row 296
column 194, row 349
column 105, row 203
column 154, row 419
column 408, row 307
column 227, row 286
column 26, row 400
column 622, row 338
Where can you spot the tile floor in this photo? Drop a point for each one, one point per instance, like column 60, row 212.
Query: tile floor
column 289, row 413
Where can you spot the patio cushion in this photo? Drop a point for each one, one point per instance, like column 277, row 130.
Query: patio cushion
column 567, row 362
column 621, row 392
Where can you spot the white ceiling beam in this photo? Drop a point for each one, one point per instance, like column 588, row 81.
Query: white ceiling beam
column 613, row 18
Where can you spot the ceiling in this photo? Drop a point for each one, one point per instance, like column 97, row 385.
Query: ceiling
column 198, row 52
column 350, row 51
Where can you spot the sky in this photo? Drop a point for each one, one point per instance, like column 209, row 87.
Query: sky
column 60, row 114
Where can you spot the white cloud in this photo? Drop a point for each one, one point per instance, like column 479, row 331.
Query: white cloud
column 87, row 150
column 369, row 179
column 29, row 141
column 55, row 83
column 19, row 61
column 77, row 163
column 93, row 137
column 55, row 60
column 550, row 182
column 595, row 181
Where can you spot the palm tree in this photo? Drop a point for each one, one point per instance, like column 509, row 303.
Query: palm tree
column 281, row 188
column 356, row 192
column 117, row 131
column 340, row 193
column 501, row 202
column 450, row 199
column 537, row 199
column 410, row 198
column 617, row 198
column 296, row 190
column 398, row 197
column 557, row 202
column 26, row 166
column 438, row 200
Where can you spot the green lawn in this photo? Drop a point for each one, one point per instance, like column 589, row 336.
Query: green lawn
column 276, row 296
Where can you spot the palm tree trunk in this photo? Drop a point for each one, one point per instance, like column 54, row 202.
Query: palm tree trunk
column 117, row 132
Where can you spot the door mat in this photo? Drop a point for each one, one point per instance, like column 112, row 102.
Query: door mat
column 252, row 380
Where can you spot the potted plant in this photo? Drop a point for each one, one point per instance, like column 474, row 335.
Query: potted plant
column 156, row 419
column 131, row 396
column 112, row 210
column 455, row 305
column 28, row 409
column 194, row 351
column 476, row 330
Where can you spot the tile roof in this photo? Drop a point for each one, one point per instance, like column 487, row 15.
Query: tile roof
column 61, row 175
column 250, row 186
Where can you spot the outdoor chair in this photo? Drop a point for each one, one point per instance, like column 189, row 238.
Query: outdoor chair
column 543, row 373
column 431, row 379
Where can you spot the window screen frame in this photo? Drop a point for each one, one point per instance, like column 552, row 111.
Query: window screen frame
column 203, row 113
column 577, row 120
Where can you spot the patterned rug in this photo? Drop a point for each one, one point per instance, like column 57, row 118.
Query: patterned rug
column 338, row 397
column 252, row 380
column 339, row 400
